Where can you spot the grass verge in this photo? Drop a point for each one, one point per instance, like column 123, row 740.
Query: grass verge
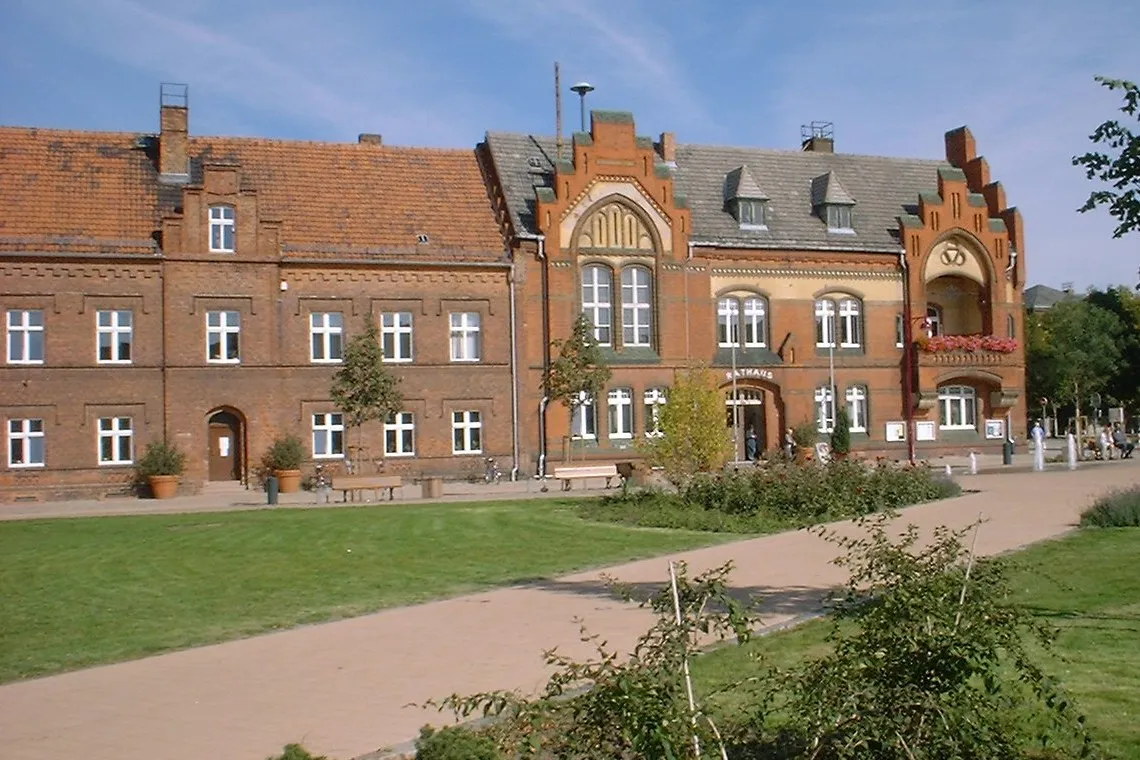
column 80, row 592
column 1086, row 585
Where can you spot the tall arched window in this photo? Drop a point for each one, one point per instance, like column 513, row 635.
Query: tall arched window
column 755, row 322
column 742, row 322
column 727, row 322
column 857, row 408
column 824, row 409
column 597, row 301
column 838, row 323
column 636, row 306
column 933, row 320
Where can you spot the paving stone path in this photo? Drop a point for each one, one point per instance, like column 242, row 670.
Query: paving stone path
column 343, row 688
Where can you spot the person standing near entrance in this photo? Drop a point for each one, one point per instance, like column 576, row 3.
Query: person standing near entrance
column 751, row 444
column 790, row 443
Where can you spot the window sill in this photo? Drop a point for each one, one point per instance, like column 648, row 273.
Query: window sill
column 328, row 456
column 117, row 464
column 33, row 466
column 400, row 361
column 114, row 362
column 466, row 453
column 402, row 455
column 26, row 362
column 326, row 361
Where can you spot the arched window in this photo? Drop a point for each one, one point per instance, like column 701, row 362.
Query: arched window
column 727, row 322
column 824, row 409
column 933, row 320
column 838, row 323
column 636, row 306
column 755, row 322
column 597, row 301
column 222, row 229
column 857, row 408
column 957, row 405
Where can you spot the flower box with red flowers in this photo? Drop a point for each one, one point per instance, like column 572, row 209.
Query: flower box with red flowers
column 939, row 344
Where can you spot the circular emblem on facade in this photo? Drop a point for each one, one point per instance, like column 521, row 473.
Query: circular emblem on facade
column 953, row 257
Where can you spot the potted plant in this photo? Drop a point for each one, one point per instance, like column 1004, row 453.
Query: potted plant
column 805, row 436
column 160, row 467
column 841, row 435
column 284, row 460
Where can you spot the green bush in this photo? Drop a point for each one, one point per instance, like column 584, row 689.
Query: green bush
column 286, row 453
column 1118, row 509
column 296, row 752
column 161, row 458
column 454, row 743
column 781, row 495
column 841, row 435
column 805, row 434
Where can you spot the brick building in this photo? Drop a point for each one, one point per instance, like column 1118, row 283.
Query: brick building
column 203, row 288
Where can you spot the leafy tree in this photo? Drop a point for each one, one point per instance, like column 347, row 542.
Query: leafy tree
column 1041, row 379
column 1124, row 384
column 1118, row 166
column 580, row 371
column 1085, row 345
column 693, row 436
column 364, row 388
column 841, row 433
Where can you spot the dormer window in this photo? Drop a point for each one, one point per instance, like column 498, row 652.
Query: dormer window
column 839, row 218
column 221, row 229
column 751, row 213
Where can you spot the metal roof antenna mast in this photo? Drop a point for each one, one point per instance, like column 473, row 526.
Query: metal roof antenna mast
column 557, row 113
column 582, row 88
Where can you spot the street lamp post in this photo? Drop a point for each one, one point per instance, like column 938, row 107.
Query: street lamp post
column 735, row 400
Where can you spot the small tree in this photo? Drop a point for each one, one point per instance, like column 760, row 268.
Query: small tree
column 1086, row 348
column 841, row 433
column 1120, row 167
column 580, row 371
column 693, row 436
column 364, row 388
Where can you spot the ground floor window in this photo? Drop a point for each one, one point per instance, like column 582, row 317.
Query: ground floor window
column 116, row 440
column 621, row 413
column 400, row 435
column 824, row 409
column 857, row 408
column 654, row 399
column 957, row 406
column 328, row 436
column 25, row 443
column 583, row 424
column 466, row 432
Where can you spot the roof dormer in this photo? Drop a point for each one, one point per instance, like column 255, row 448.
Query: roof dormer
column 745, row 200
column 832, row 203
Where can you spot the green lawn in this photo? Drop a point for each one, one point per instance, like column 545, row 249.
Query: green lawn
column 77, row 592
column 1087, row 585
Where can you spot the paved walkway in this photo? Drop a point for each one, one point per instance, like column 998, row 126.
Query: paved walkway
column 343, row 688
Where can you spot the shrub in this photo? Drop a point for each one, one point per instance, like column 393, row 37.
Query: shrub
column 286, row 453
column 160, row 458
column 1118, row 509
column 455, row 743
column 296, row 752
column 805, row 434
column 841, row 435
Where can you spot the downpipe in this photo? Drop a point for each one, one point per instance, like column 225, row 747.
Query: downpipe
column 514, row 380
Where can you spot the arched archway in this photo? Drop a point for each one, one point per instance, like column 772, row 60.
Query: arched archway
column 754, row 413
column 226, row 445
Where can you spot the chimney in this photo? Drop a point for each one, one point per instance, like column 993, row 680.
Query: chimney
column 174, row 139
column 370, row 138
column 818, row 137
column 668, row 148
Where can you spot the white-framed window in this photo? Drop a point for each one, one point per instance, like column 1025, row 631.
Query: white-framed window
column 751, row 213
column 328, row 435
column 825, row 323
column 26, row 443
column 850, row 323
column 116, row 440
column 465, row 343
column 223, row 330
column 727, row 322
column 400, row 435
column 597, row 301
column 755, row 323
column 25, row 336
column 114, row 332
column 583, row 423
column 857, row 408
column 620, row 405
column 900, row 331
column 636, row 306
column 839, row 218
column 221, row 229
column 654, row 400
column 466, row 432
column 933, row 320
column 326, row 336
column 957, row 405
column 824, row 409
column 396, row 336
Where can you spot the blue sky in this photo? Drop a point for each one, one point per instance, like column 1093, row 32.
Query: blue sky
column 892, row 76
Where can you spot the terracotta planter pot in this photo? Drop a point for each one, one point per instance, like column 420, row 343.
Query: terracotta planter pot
column 288, row 481
column 163, row 486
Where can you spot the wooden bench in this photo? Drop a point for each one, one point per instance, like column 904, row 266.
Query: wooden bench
column 375, row 483
column 581, row 472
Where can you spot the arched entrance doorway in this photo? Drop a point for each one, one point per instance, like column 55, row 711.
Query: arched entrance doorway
column 225, row 436
column 745, row 415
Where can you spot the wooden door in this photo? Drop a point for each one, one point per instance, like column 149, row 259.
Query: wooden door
column 224, row 447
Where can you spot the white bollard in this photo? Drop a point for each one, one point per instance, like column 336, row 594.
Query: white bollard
column 1072, row 452
column 973, row 463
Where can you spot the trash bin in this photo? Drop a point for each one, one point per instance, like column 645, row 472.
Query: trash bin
column 432, row 487
column 1007, row 453
column 272, row 488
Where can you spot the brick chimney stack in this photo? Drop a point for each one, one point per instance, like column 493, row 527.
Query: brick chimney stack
column 668, row 147
column 174, row 139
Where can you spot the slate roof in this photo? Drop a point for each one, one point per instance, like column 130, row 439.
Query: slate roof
column 882, row 188
column 99, row 192
column 1043, row 297
column 739, row 183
